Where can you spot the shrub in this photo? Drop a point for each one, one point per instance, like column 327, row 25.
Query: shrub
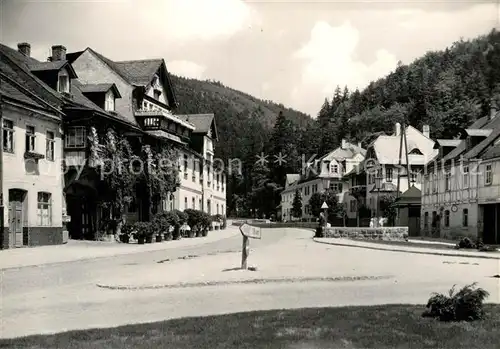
column 464, row 305
column 466, row 243
column 143, row 229
column 162, row 221
column 194, row 218
column 183, row 217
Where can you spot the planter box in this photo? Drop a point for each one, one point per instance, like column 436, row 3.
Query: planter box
column 158, row 238
column 359, row 233
column 141, row 240
column 149, row 239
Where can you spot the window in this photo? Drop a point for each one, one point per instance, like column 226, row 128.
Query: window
column 427, row 183
column 76, row 137
column 334, row 168
column 413, row 177
column 353, row 205
column 388, row 174
column 185, row 167
column 157, row 94
column 336, row 187
column 371, row 203
column 63, row 85
column 466, row 176
column 434, row 219
column 447, row 181
column 8, row 136
column 426, row 220
column 217, row 208
column 415, row 151
column 218, row 182
column 200, row 204
column 193, row 203
column 447, row 218
column 465, row 217
column 50, row 146
column 185, row 203
column 110, row 102
column 222, row 210
column 30, row 138
column 489, row 175
column 44, row 214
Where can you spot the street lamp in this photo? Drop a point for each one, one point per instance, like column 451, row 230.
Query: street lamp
column 378, row 185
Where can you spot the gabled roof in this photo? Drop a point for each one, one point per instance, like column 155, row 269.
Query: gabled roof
column 53, row 66
column 100, row 88
column 410, row 197
column 341, row 154
column 201, row 122
column 139, row 73
column 9, row 89
column 492, row 153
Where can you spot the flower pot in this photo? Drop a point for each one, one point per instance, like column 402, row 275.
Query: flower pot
column 140, row 240
column 204, row 232
column 190, row 233
column 167, row 236
column 149, row 239
column 199, row 233
column 158, row 238
column 125, row 238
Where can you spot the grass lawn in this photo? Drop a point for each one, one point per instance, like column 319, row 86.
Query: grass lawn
column 385, row 326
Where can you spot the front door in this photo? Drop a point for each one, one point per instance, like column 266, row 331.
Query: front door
column 16, row 198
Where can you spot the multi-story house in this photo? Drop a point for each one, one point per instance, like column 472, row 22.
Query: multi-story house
column 326, row 173
column 355, row 194
column 31, row 170
column 148, row 100
column 136, row 99
column 383, row 159
column 460, row 191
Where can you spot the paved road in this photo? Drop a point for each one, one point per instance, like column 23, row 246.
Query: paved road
column 64, row 297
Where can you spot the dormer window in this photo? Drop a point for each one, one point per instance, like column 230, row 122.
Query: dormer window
column 63, row 84
column 334, row 168
column 157, row 94
column 109, row 104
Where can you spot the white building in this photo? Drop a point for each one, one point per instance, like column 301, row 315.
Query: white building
column 326, row 173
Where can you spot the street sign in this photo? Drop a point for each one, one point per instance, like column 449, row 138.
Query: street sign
column 324, row 206
column 250, row 232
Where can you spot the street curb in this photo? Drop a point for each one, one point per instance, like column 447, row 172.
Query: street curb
column 243, row 282
column 93, row 258
column 405, row 251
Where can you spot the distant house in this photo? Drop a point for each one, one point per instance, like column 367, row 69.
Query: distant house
column 461, row 190
column 384, row 154
column 325, row 173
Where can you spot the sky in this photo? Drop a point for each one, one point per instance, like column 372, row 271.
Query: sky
column 291, row 52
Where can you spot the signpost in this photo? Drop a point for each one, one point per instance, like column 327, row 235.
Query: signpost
column 247, row 231
column 325, row 210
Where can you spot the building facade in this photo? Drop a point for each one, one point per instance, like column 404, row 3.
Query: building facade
column 460, row 193
column 135, row 99
column 325, row 173
column 31, row 163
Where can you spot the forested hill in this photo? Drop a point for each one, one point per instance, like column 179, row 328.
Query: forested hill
column 243, row 121
column 446, row 89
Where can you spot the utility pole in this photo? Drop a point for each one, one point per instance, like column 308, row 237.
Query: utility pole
column 2, row 209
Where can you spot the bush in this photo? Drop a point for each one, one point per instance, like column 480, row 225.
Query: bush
column 183, row 217
column 464, row 305
column 194, row 218
column 162, row 221
column 466, row 243
column 143, row 230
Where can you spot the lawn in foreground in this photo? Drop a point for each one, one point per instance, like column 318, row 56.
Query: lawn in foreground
column 387, row 326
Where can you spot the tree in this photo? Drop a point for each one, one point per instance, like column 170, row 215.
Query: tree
column 388, row 208
column 114, row 159
column 297, row 205
column 335, row 209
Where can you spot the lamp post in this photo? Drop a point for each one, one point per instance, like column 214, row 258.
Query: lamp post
column 378, row 184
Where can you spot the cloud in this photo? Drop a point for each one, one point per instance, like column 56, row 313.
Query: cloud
column 330, row 61
column 187, row 69
column 199, row 19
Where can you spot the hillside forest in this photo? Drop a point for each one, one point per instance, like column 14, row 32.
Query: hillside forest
column 446, row 89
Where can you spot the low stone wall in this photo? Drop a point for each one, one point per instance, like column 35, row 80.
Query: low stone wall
column 383, row 233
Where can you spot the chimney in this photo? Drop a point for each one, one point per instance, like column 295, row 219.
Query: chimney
column 397, row 129
column 24, row 48
column 58, row 53
column 426, row 130
column 344, row 144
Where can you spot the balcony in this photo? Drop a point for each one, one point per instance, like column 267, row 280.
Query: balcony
column 152, row 118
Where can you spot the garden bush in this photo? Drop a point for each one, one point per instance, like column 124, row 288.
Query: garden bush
column 143, row 231
column 464, row 305
column 194, row 220
column 467, row 243
column 162, row 221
